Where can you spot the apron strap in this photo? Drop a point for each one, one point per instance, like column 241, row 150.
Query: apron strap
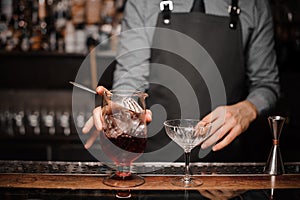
column 198, row 6
column 234, row 12
column 166, row 6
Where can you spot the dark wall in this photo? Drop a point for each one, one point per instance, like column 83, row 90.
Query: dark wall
column 286, row 15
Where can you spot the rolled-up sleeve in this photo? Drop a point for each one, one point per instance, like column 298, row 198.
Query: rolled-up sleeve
column 262, row 71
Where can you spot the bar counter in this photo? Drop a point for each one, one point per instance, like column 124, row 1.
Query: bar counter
column 27, row 177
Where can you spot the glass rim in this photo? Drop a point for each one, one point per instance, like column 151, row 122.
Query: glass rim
column 276, row 117
column 121, row 92
column 194, row 120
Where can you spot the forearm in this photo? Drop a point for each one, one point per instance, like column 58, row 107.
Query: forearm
column 262, row 71
column 132, row 69
column 264, row 99
column 131, row 78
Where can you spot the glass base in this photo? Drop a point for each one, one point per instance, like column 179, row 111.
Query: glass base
column 123, row 194
column 129, row 181
column 181, row 182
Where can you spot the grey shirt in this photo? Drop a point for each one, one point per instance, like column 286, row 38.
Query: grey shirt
column 132, row 70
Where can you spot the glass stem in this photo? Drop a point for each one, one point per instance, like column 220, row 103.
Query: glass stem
column 187, row 176
column 123, row 171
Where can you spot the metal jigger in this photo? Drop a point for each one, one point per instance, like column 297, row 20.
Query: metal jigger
column 274, row 165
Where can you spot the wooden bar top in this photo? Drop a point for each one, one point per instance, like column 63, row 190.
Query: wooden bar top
column 89, row 175
column 151, row 182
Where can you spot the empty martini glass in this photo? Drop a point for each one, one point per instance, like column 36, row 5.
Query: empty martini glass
column 187, row 133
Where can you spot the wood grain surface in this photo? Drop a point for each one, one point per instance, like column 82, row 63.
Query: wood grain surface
column 151, row 182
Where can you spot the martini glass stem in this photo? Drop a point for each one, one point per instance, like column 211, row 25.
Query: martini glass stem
column 187, row 176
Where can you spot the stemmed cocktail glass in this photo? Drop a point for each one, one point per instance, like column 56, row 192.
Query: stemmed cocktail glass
column 187, row 133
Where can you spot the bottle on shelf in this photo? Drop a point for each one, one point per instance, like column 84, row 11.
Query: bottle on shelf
column 25, row 39
column 78, row 11
column 33, row 119
column 69, row 37
column 80, row 39
column 6, row 9
column 3, row 31
column 19, row 122
column 93, row 8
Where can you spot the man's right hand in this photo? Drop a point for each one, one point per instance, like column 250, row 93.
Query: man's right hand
column 96, row 120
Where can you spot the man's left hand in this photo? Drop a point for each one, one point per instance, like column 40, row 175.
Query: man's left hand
column 228, row 122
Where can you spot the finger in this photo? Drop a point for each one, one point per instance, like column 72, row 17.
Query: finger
column 232, row 129
column 88, row 125
column 227, row 140
column 213, row 134
column 202, row 124
column 207, row 194
column 100, row 90
column 203, row 128
column 210, row 141
column 209, row 118
column 218, row 194
column 216, row 118
column 215, row 114
column 221, row 132
column 91, row 139
column 216, row 125
column 97, row 118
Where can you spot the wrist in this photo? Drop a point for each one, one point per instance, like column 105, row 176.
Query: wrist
column 251, row 108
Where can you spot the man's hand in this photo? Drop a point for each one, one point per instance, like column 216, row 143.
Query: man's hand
column 228, row 122
column 96, row 120
column 221, row 194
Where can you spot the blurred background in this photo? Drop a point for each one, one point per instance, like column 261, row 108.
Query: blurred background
column 43, row 43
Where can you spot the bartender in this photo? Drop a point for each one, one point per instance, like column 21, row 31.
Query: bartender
column 236, row 38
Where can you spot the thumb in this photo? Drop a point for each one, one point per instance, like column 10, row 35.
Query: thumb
column 148, row 115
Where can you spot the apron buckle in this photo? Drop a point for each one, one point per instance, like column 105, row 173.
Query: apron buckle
column 235, row 9
column 164, row 4
column 166, row 7
column 234, row 12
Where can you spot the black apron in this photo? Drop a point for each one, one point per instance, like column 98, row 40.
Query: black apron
column 184, row 82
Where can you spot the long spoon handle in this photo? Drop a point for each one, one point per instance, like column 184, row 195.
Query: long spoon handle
column 83, row 87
